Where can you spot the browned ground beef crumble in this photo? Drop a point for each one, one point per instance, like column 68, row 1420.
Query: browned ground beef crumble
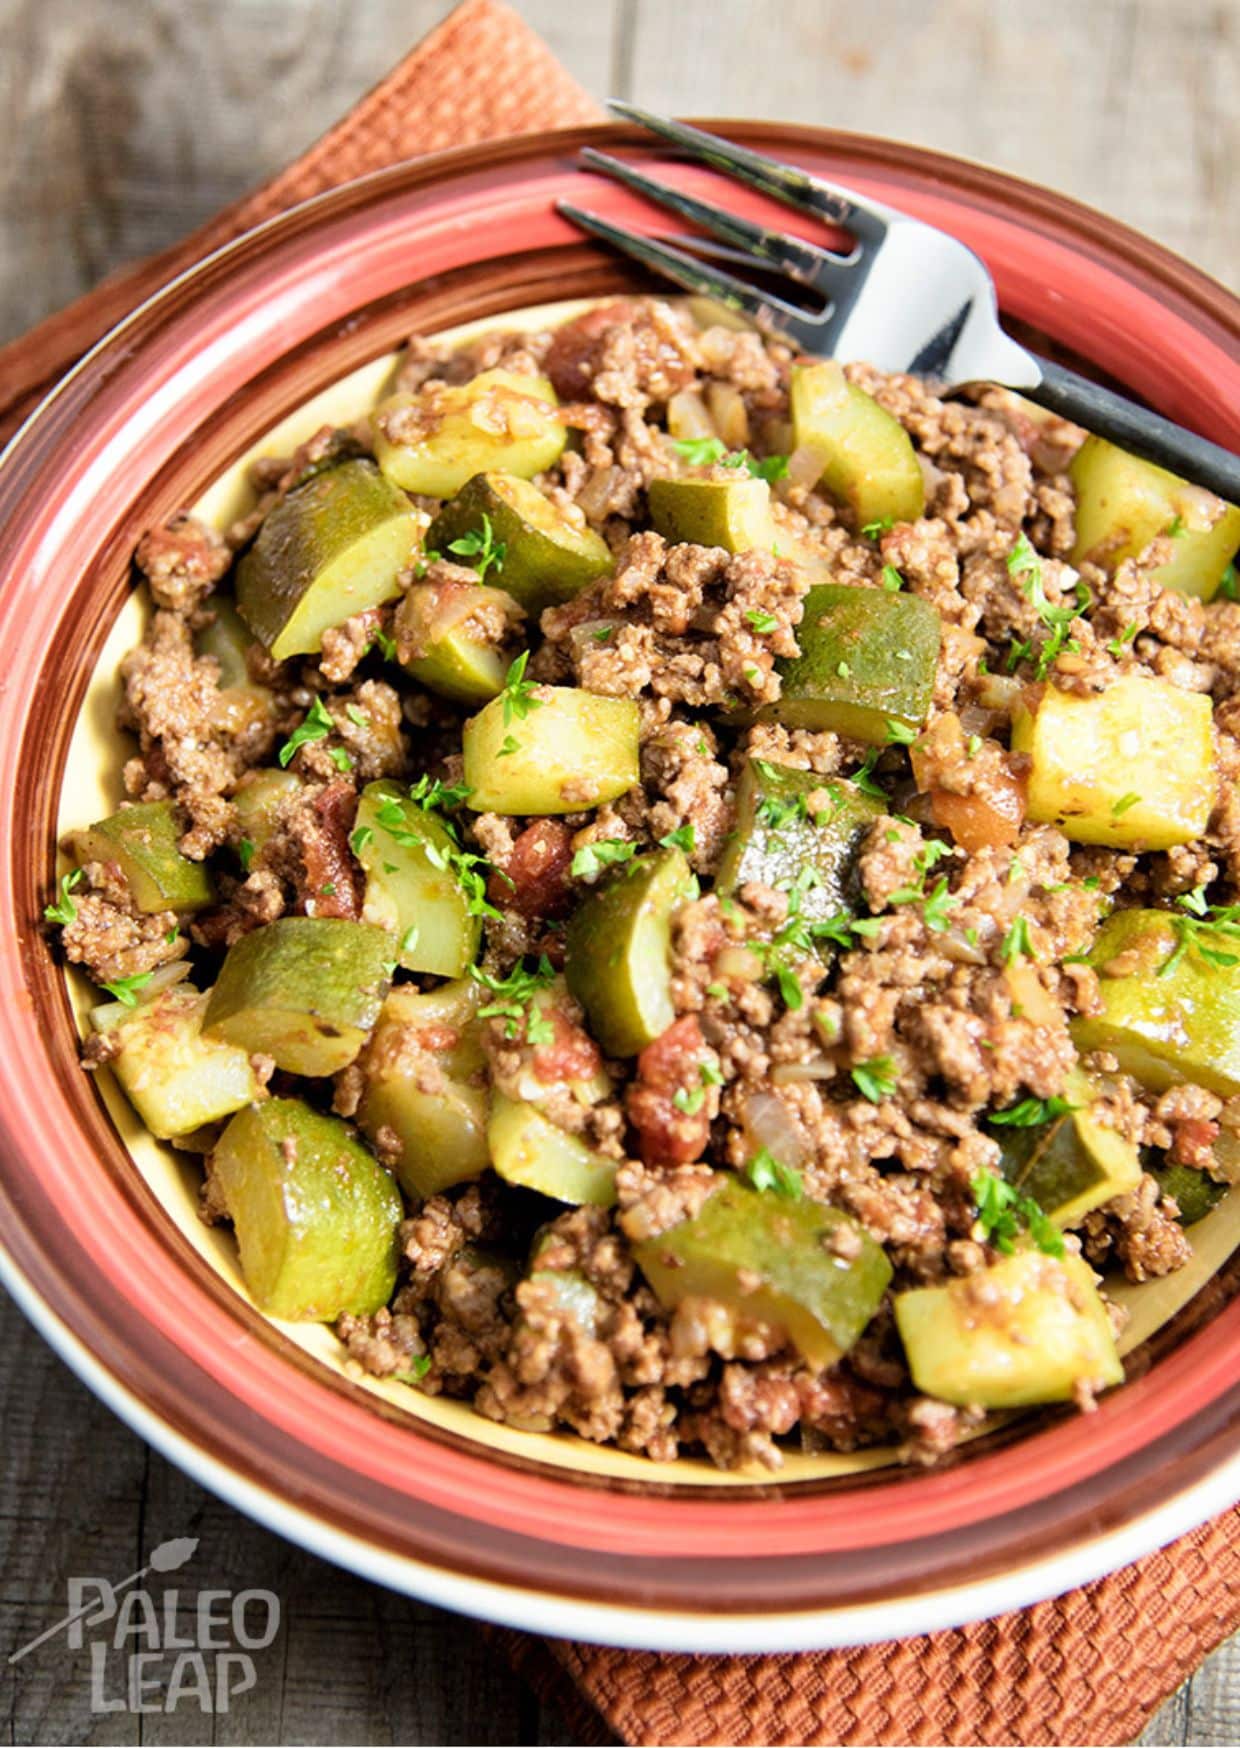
column 939, row 1003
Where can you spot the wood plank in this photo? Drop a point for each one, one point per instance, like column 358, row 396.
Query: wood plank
column 130, row 125
column 1126, row 104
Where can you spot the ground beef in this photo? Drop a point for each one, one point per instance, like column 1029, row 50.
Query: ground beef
column 870, row 1059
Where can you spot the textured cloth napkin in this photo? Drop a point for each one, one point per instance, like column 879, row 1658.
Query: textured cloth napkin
column 1089, row 1667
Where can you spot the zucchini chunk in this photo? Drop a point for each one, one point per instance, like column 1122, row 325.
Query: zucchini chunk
column 1029, row 1329
column 1164, row 1025
column 242, row 701
column 333, row 547
column 316, row 1215
column 260, row 801
column 1132, row 767
column 305, row 991
column 433, row 441
column 446, row 638
column 776, row 837
column 1123, row 503
column 412, row 887
column 174, row 1078
column 803, row 1266
column 570, row 750
column 867, row 658
column 424, row 1085
column 548, row 556
column 528, row 1149
column 734, row 513
column 1195, row 1191
column 868, row 459
column 1074, row 1164
column 618, row 951
column 140, row 843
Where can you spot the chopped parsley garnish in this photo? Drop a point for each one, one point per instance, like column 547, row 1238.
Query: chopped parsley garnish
column 873, row 530
column 1178, row 528
column 359, row 838
column 125, row 989
column 482, row 545
column 1002, row 1211
column 385, row 645
column 769, row 468
column 64, row 910
column 893, row 582
column 518, row 692
column 899, row 734
column 430, row 792
column 317, row 725
column 514, row 1002
column 689, row 1099
column 591, row 859
column 1023, row 561
column 328, row 889
column 1125, row 802
column 470, row 870
column 418, row 1368
column 973, row 746
column 700, row 451
column 1229, row 587
column 357, row 717
column 510, row 746
column 877, row 1079
column 245, row 854
column 1031, row 1113
column 865, row 780
column 765, row 1172
column 1016, row 943
column 761, row 620
column 1116, row 645
column 683, row 838
column 602, row 634
column 936, row 903
column 341, row 758
column 1202, row 927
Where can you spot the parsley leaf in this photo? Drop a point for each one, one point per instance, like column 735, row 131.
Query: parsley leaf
column 893, row 582
column 591, row 859
column 125, row 988
column 383, row 643
column 681, row 839
column 1023, row 561
column 761, row 620
column 1016, row 942
column 1203, row 927
column 317, row 725
column 1229, row 587
column 899, row 734
column 1125, row 802
column 341, row 758
column 359, row 838
column 1031, row 1113
column 518, row 692
column 1126, row 636
column 245, row 854
column 1001, row 1210
column 64, row 910
column 510, row 746
column 769, row 468
column 482, row 545
column 884, row 525
column 430, row 792
column 864, row 778
column 515, row 997
column 876, row 1079
column 765, row 1172
column 700, row 451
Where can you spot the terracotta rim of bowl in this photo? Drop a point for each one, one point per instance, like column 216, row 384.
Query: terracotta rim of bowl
column 157, row 410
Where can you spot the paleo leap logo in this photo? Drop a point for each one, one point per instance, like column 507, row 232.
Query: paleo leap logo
column 150, row 1654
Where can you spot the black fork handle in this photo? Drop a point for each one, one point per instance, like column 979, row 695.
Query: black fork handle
column 1136, row 428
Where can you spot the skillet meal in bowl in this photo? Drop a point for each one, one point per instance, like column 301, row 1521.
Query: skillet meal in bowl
column 686, row 894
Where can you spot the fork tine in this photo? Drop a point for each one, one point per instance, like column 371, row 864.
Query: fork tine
column 783, row 181
column 804, row 261
column 768, row 311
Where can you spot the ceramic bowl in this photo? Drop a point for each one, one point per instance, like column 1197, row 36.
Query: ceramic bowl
column 97, row 1235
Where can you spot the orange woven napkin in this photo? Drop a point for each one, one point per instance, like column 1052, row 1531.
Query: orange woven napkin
column 1090, row 1667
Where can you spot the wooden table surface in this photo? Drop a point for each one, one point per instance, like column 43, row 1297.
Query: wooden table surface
column 130, row 121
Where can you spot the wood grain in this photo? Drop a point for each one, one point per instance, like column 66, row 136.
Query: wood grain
column 130, row 122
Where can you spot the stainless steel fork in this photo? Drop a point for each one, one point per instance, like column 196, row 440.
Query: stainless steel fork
column 905, row 296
